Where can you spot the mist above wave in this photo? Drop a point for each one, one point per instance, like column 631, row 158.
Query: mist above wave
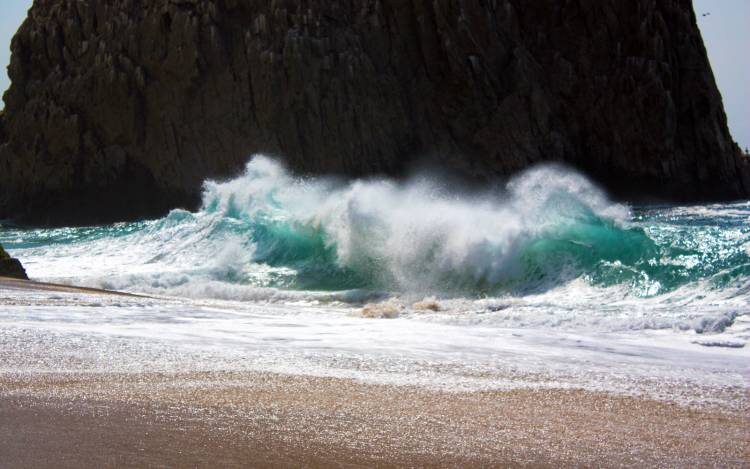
column 419, row 236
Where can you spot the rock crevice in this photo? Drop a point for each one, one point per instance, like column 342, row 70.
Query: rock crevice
column 120, row 109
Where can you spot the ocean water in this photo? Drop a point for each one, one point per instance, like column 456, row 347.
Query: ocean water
column 541, row 282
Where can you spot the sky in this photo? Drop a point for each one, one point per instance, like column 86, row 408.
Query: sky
column 726, row 32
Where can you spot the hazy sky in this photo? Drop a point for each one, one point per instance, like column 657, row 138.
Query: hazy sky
column 726, row 32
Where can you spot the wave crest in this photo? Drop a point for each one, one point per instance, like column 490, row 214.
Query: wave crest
column 416, row 236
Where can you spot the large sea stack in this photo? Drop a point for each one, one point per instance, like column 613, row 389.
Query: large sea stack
column 120, row 109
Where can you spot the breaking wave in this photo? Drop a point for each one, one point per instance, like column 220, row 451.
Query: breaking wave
column 269, row 231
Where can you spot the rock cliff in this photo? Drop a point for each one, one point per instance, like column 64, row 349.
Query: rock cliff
column 10, row 267
column 121, row 108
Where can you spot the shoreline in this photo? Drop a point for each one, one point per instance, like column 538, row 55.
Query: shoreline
column 7, row 283
column 233, row 419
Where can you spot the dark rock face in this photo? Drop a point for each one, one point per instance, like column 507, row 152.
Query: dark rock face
column 10, row 267
column 122, row 108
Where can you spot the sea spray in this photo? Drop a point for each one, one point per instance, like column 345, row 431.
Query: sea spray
column 416, row 236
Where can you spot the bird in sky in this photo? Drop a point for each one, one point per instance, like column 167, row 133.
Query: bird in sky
column 708, row 13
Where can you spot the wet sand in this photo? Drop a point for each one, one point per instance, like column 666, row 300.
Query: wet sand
column 241, row 419
column 7, row 283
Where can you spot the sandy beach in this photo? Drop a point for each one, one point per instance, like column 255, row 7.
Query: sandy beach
column 90, row 418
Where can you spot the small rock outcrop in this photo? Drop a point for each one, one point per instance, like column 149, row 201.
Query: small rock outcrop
column 10, row 267
column 120, row 109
